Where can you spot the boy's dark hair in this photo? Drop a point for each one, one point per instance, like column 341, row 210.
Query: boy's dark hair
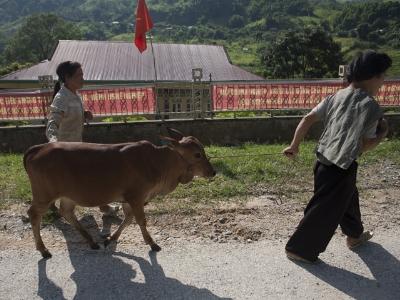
column 65, row 68
column 366, row 65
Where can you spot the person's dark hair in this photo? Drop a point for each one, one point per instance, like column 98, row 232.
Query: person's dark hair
column 366, row 65
column 63, row 69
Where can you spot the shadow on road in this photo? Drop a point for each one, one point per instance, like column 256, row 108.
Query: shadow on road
column 104, row 274
column 47, row 290
column 384, row 267
column 162, row 287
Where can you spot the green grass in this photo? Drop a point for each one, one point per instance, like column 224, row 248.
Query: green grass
column 346, row 43
column 388, row 150
column 326, row 14
column 394, row 71
column 123, row 119
column 352, row 45
column 14, row 183
column 124, row 37
column 245, row 55
column 306, row 20
column 242, row 114
column 255, row 169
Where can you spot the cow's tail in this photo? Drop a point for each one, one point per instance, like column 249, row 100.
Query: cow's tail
column 31, row 152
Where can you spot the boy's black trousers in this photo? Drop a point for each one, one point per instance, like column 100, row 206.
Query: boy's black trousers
column 335, row 202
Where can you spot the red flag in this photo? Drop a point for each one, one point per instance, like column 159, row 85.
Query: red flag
column 143, row 24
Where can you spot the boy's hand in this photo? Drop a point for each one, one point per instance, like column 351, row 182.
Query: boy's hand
column 291, row 151
column 88, row 115
column 382, row 128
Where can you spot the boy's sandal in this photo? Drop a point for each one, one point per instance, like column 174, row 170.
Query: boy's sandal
column 353, row 243
column 110, row 211
column 297, row 258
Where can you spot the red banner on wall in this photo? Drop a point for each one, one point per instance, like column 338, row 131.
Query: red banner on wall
column 389, row 93
column 24, row 105
column 119, row 101
column 291, row 95
column 125, row 100
column 110, row 101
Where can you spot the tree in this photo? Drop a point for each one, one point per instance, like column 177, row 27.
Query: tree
column 94, row 31
column 298, row 7
column 13, row 67
column 309, row 54
column 36, row 39
column 236, row 21
column 363, row 30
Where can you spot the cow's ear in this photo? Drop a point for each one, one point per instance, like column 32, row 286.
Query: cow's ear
column 170, row 141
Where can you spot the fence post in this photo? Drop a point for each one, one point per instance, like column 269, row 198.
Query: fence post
column 46, row 82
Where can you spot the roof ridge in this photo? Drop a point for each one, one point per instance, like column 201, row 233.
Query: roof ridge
column 126, row 42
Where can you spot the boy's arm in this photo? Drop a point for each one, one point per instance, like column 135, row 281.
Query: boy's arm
column 381, row 132
column 300, row 133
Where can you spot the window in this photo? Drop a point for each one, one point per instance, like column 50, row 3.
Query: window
column 176, row 106
column 166, row 105
column 189, row 105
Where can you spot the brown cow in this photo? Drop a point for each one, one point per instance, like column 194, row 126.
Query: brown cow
column 90, row 175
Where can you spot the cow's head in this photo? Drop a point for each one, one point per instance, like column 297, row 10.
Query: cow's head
column 192, row 152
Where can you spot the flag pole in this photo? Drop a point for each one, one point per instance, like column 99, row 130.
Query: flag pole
column 145, row 24
column 154, row 57
column 155, row 73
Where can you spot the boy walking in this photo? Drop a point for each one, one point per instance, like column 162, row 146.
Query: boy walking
column 353, row 124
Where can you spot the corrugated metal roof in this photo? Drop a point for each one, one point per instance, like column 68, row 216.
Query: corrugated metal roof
column 121, row 61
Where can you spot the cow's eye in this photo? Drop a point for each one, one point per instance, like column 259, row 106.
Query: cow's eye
column 197, row 155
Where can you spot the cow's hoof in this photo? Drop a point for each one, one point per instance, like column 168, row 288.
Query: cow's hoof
column 155, row 247
column 95, row 246
column 46, row 254
column 105, row 234
column 108, row 241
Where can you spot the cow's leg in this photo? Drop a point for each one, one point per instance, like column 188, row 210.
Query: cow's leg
column 53, row 207
column 127, row 220
column 138, row 212
column 108, row 210
column 36, row 212
column 54, row 210
column 67, row 211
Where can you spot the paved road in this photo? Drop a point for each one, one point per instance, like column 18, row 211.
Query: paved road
column 257, row 270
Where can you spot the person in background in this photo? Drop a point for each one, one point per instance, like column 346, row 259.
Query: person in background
column 67, row 115
column 353, row 124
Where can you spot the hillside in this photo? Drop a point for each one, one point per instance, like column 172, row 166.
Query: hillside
column 245, row 27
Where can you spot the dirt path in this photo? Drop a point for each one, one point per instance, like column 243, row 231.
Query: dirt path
column 266, row 217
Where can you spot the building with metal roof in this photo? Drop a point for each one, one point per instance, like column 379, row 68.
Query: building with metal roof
column 182, row 74
column 106, row 62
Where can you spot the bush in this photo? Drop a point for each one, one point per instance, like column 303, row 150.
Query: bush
column 236, row 21
column 13, row 67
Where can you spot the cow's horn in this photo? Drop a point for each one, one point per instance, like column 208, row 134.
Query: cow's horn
column 176, row 134
column 169, row 141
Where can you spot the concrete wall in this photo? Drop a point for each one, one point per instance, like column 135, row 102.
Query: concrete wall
column 217, row 132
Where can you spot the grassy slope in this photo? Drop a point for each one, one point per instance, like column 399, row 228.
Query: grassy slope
column 245, row 54
column 394, row 71
column 250, row 59
column 349, row 50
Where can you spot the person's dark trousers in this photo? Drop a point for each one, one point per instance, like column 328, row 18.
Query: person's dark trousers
column 335, row 202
